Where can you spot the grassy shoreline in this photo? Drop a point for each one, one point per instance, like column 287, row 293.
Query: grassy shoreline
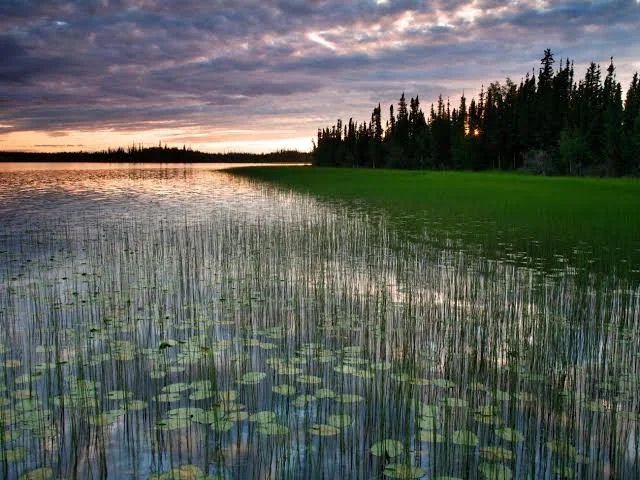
column 592, row 222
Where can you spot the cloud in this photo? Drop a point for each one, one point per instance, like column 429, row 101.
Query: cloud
column 132, row 64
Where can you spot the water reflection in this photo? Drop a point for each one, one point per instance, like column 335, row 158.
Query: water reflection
column 182, row 323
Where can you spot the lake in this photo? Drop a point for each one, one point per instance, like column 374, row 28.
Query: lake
column 181, row 322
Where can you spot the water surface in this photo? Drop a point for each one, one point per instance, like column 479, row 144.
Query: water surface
column 180, row 322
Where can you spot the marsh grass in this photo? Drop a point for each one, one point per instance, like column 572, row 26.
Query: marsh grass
column 591, row 223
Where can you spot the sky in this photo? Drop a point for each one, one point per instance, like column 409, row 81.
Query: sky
column 264, row 75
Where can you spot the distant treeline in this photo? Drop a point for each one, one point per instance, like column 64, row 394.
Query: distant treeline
column 135, row 154
column 547, row 124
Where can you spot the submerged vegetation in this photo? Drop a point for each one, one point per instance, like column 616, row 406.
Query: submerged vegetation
column 195, row 325
column 549, row 124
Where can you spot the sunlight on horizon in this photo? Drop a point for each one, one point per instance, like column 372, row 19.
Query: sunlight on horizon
column 91, row 141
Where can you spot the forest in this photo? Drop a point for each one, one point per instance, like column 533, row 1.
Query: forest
column 159, row 154
column 549, row 124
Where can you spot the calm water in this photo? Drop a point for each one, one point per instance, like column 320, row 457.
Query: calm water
column 181, row 322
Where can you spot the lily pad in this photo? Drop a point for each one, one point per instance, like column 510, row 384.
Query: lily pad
column 387, row 448
column 455, row 402
column 323, row 430
column 496, row 454
column 308, row 379
column 175, row 388
column 119, row 395
column 510, row 435
column 325, row 393
column 340, row 421
column 397, row 470
column 222, row 426
column 431, row 436
column 465, row 438
column 302, row 400
column 37, row 474
column 349, row 398
column 252, row 378
column 285, row 389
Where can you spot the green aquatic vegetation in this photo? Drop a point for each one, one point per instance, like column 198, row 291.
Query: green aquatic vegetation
column 252, row 378
column 510, row 435
column 324, row 393
column 263, row 417
column 496, row 454
column 387, row 448
column 349, row 398
column 302, row 400
column 340, row 420
column 455, row 402
column 323, row 430
column 184, row 472
column 42, row 473
column 495, row 471
column 284, row 389
column 308, row 379
column 119, row 395
column 401, row 471
column 465, row 438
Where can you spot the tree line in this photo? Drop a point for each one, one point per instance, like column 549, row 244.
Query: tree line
column 139, row 154
column 549, row 123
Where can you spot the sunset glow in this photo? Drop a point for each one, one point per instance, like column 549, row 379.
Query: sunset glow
column 262, row 77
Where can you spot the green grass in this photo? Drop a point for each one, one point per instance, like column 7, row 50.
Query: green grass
column 591, row 222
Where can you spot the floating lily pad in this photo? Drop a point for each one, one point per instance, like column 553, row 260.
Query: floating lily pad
column 496, row 454
column 562, row 448
column 510, row 435
column 119, row 395
column 302, row 400
column 495, row 471
column 175, row 388
column 349, row 398
column 431, row 436
column 222, row 426
column 443, row 383
column 502, row 396
column 252, row 378
column 387, row 448
column 465, row 438
column 397, row 470
column 167, row 397
column 345, row 369
column 427, row 410
column 16, row 454
column 237, row 416
column 228, row 395
column 200, row 395
column 427, row 423
column 134, row 405
column 37, row 474
column 185, row 472
column 325, row 393
column 309, row 379
column 287, row 390
column 340, row 421
column 455, row 402
column 323, row 430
